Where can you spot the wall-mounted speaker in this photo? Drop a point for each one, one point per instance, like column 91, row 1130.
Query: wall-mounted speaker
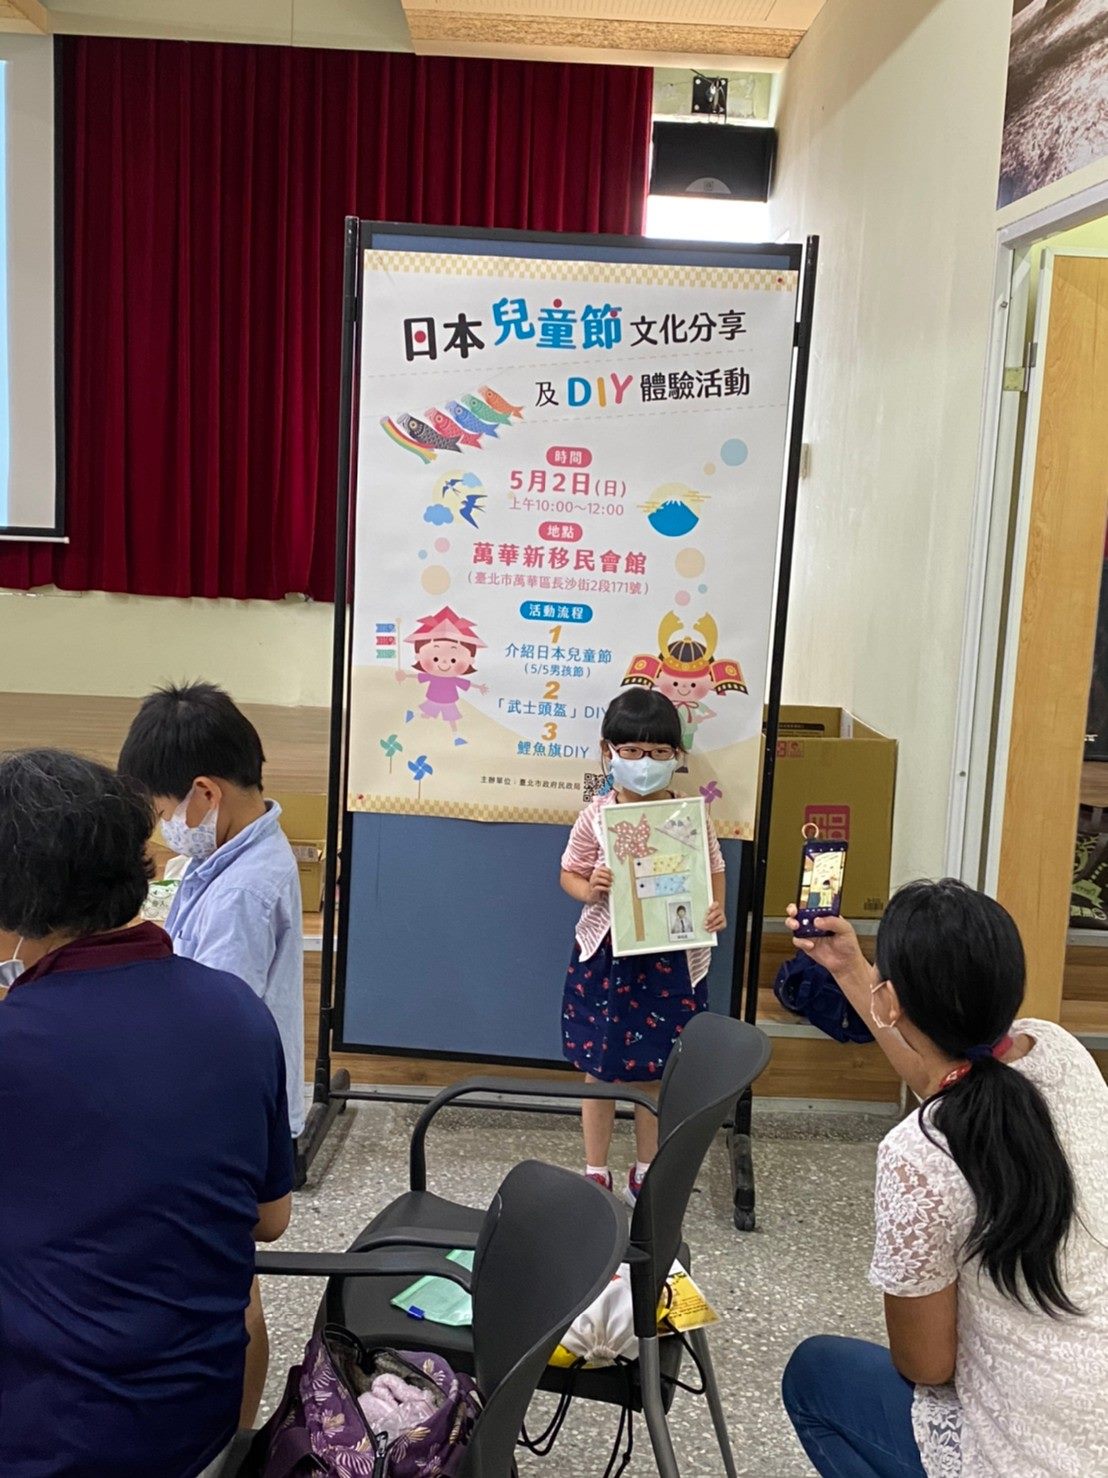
column 723, row 160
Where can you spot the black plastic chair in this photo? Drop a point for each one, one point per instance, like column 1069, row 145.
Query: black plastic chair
column 548, row 1244
column 714, row 1061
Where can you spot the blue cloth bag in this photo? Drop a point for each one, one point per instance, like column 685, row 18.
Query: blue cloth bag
column 809, row 990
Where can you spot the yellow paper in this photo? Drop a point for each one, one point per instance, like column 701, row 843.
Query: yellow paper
column 682, row 1305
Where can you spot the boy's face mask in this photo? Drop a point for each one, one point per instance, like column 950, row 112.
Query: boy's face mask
column 11, row 970
column 197, row 842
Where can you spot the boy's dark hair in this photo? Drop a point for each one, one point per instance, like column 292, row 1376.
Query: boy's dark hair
column 641, row 716
column 180, row 733
column 73, row 853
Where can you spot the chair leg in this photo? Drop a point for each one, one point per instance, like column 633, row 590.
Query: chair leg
column 650, row 1378
column 699, row 1341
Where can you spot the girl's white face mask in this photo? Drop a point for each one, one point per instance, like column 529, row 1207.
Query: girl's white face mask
column 197, row 842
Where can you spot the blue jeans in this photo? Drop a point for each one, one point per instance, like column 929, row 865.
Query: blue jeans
column 852, row 1410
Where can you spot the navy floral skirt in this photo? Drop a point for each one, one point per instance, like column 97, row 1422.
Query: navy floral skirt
column 621, row 1015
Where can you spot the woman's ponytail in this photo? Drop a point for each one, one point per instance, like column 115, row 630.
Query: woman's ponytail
column 957, row 963
column 1000, row 1134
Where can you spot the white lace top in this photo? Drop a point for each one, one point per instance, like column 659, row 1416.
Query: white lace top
column 1030, row 1394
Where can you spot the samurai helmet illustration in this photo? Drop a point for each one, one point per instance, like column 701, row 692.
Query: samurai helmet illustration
column 686, row 651
column 687, row 654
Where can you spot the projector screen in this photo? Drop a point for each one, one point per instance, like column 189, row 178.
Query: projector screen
column 31, row 501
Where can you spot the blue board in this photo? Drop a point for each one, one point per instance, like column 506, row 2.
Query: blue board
column 458, row 937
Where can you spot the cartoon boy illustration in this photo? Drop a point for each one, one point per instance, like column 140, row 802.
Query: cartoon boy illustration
column 686, row 670
column 446, row 646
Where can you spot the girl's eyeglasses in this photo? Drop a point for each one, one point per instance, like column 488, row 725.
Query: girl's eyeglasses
column 661, row 752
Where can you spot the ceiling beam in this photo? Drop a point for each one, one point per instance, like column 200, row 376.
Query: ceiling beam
column 434, row 29
column 27, row 16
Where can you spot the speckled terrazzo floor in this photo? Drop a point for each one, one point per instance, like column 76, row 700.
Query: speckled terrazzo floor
column 802, row 1272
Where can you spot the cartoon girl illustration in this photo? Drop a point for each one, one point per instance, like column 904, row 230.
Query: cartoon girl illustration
column 446, row 646
column 686, row 670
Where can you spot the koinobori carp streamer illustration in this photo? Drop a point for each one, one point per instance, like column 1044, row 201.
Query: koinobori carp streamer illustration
column 463, row 424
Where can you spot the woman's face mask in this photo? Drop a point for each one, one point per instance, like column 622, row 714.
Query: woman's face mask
column 197, row 842
column 642, row 777
column 11, row 970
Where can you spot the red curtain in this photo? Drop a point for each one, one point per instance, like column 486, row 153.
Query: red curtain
column 203, row 201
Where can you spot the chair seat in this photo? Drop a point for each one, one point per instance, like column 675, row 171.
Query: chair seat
column 617, row 1384
column 363, row 1305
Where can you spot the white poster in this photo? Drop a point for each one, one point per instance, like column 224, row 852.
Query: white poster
column 569, row 481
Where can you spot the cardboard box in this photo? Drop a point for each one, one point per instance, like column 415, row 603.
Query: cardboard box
column 836, row 771
column 304, row 822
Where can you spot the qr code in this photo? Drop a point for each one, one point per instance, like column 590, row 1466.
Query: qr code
column 593, row 786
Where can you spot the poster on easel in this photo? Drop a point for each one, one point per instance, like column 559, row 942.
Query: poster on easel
column 569, row 481
column 657, row 853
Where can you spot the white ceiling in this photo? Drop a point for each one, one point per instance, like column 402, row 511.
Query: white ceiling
column 376, row 25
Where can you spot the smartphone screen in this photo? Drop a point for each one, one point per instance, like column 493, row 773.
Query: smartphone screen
column 821, row 884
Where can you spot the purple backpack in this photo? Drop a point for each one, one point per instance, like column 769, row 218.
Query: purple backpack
column 319, row 1427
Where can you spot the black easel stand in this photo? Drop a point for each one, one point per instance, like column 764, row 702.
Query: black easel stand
column 330, row 1095
column 739, row 1138
column 333, row 1092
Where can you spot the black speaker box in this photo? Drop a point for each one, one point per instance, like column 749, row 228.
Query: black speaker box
column 724, row 160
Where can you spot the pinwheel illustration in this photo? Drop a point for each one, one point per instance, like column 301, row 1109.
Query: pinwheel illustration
column 711, row 792
column 632, row 841
column 392, row 747
column 420, row 769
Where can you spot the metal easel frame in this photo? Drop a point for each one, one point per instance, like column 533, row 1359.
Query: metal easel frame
column 332, row 1091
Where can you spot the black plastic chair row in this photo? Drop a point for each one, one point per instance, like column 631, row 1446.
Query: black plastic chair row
column 714, row 1061
column 547, row 1245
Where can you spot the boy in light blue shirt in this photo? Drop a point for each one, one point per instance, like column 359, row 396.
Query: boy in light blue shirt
column 238, row 907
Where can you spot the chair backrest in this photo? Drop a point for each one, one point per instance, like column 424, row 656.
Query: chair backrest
column 713, row 1061
column 550, row 1243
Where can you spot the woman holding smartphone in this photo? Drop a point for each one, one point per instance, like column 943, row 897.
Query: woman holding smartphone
column 992, row 1218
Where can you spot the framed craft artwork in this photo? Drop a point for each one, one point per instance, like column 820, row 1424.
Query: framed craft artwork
column 657, row 852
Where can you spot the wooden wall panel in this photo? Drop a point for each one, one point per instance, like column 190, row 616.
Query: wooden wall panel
column 801, row 1067
column 1068, row 513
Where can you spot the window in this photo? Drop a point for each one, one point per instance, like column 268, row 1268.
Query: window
column 701, row 218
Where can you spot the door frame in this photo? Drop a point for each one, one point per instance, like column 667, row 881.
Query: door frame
column 997, row 565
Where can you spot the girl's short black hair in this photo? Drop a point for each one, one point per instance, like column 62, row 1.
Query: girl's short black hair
column 73, row 846
column 641, row 716
column 180, row 733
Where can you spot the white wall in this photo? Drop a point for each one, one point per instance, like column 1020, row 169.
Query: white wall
column 890, row 141
column 123, row 645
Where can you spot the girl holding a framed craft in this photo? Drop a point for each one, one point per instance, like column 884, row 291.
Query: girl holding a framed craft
column 622, row 1014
